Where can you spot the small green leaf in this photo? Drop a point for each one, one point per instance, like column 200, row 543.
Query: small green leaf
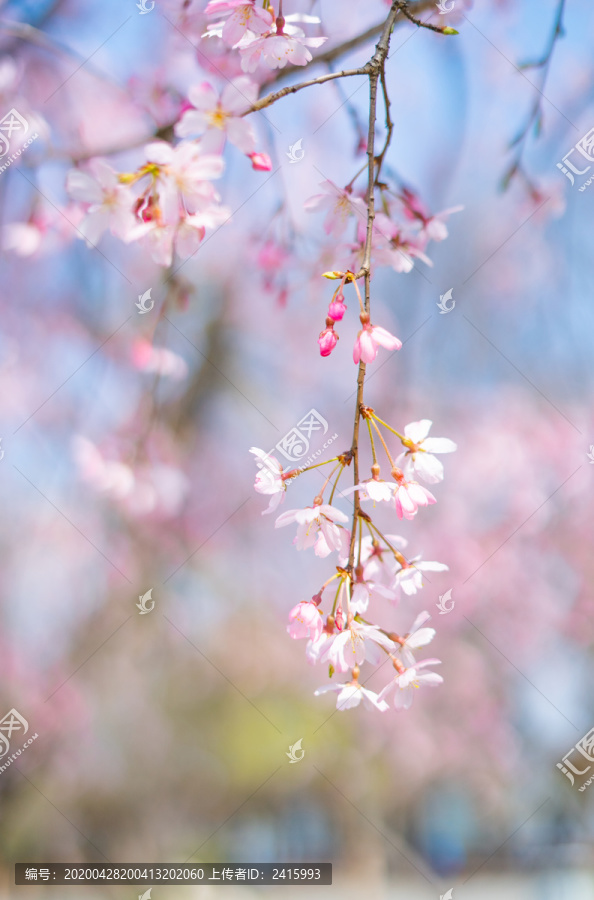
column 448, row 30
column 505, row 181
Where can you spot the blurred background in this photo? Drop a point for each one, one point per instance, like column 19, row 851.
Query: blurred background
column 163, row 737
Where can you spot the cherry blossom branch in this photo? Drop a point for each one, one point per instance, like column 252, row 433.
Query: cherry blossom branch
column 168, row 202
column 404, row 9
column 293, row 88
column 164, row 132
column 389, row 126
column 359, row 40
column 375, row 67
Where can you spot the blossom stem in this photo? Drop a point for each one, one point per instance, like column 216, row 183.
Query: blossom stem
column 384, row 445
column 336, row 597
column 328, row 477
column 397, row 555
column 389, row 427
column 359, row 296
column 355, row 176
column 335, row 484
column 316, row 466
column 372, row 442
column 329, row 581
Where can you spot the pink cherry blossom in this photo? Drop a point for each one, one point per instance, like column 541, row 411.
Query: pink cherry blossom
column 317, row 527
column 148, row 358
column 181, row 202
column 316, row 647
column 305, row 621
column 418, row 459
column 269, row 479
column 403, row 685
column 276, row 50
column 184, row 177
column 392, row 247
column 379, row 563
column 356, row 644
column 418, row 636
column 375, row 489
column 409, row 578
column 409, row 496
column 48, row 229
column 109, row 203
column 340, row 206
column 157, row 488
column 369, row 339
column 364, row 592
column 241, row 18
column 433, row 227
column 350, row 695
column 217, row 118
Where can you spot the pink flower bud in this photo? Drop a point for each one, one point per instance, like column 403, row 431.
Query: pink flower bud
column 327, row 341
column 337, row 308
column 261, row 162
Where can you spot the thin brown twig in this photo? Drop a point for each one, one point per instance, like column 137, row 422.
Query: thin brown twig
column 269, row 99
column 403, row 6
column 389, row 126
column 375, row 67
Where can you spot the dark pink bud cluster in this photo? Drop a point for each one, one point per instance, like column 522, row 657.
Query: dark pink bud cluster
column 328, row 338
column 337, row 308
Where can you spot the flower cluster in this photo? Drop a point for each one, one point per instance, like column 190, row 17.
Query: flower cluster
column 369, row 338
column 401, row 232
column 342, row 636
column 170, row 202
column 259, row 36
